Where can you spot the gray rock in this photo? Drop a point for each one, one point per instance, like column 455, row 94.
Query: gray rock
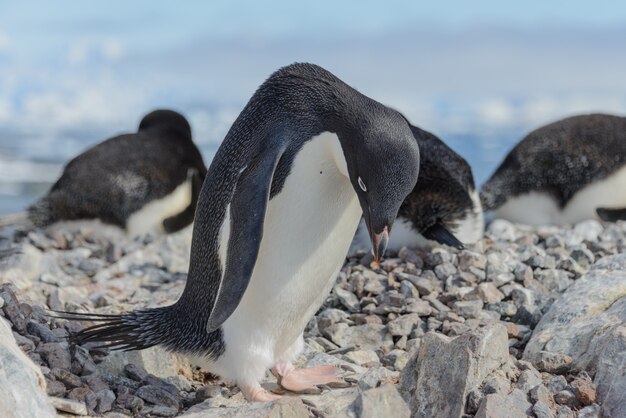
column 155, row 360
column 158, row 396
column 384, row 401
column 57, row 355
column 591, row 411
column 442, row 271
column 587, row 324
column 368, row 336
column 348, row 299
column 403, row 325
column 528, row 379
column 284, row 407
column 489, row 293
column 438, row 378
column 542, row 410
column 553, row 279
column 513, row 405
column 69, row 405
column 362, row 356
column 565, row 397
column 376, row 376
column 468, row 308
column 549, row 362
column 22, row 385
column 541, row 261
column 564, row 412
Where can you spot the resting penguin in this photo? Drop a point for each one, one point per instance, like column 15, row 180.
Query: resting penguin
column 306, row 157
column 143, row 182
column 563, row 173
column 444, row 205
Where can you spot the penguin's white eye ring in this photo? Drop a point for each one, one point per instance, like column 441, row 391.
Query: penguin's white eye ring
column 361, row 184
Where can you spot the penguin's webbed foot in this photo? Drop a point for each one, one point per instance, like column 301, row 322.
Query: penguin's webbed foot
column 299, row 380
column 256, row 393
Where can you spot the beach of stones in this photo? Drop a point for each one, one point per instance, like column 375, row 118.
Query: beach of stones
column 487, row 331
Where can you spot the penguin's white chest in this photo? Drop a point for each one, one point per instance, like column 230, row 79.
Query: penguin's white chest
column 149, row 219
column 536, row 208
column 307, row 231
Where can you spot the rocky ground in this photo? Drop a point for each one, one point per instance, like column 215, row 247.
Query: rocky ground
column 527, row 323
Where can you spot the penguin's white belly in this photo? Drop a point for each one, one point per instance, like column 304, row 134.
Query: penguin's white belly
column 307, row 231
column 471, row 227
column 537, row 208
column 149, row 219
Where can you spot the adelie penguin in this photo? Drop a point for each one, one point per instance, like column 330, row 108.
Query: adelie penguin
column 143, row 182
column 306, row 157
column 563, row 173
column 444, row 206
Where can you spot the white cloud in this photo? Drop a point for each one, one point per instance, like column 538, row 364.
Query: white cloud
column 112, row 49
column 78, row 52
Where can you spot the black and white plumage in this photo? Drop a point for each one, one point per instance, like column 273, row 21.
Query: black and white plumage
column 304, row 160
column 563, row 173
column 444, row 205
column 146, row 181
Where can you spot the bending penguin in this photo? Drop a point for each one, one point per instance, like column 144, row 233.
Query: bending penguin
column 306, row 157
column 444, row 205
column 143, row 182
column 563, row 173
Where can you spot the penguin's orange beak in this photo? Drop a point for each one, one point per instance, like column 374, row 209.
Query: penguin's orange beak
column 379, row 244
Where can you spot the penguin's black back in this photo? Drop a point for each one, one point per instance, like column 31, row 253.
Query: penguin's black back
column 559, row 159
column 120, row 175
column 442, row 192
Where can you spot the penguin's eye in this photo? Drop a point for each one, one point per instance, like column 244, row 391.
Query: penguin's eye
column 361, row 184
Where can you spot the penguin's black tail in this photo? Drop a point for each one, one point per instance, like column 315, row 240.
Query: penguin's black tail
column 129, row 331
column 138, row 330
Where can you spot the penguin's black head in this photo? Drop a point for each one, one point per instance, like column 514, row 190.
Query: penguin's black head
column 383, row 164
column 166, row 120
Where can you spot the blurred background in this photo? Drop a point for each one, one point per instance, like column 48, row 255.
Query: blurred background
column 478, row 74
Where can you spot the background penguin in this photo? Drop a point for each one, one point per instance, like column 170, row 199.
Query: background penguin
column 282, row 199
column 143, row 182
column 444, row 205
column 563, row 173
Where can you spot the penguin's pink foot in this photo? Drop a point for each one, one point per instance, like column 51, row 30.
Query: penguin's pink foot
column 255, row 393
column 298, row 380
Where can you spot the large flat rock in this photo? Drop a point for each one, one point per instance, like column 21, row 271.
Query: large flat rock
column 588, row 324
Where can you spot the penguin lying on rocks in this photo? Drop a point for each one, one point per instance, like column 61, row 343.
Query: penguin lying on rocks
column 145, row 182
column 563, row 173
column 306, row 157
column 444, row 205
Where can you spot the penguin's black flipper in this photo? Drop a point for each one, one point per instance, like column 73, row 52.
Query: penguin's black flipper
column 179, row 221
column 611, row 215
column 247, row 214
column 440, row 233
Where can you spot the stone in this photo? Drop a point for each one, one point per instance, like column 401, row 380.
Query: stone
column 439, row 376
column 489, row 293
column 468, row 308
column 155, row 360
column 553, row 279
column 57, row 355
column 368, row 336
column 588, row 324
column 377, row 376
column 22, row 385
column 384, row 401
column 403, row 325
column 281, row 408
column 592, row 411
column 444, row 270
column 361, row 357
column 584, row 390
column 69, row 405
column 553, row 362
column 565, row 397
column 542, row 410
column 497, row 405
column 157, row 396
column 541, row 261
column 347, row 299
column 528, row 379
